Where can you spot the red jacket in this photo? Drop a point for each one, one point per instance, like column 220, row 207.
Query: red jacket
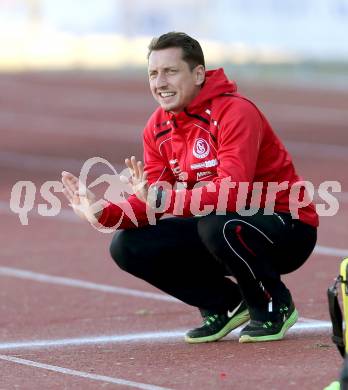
column 220, row 137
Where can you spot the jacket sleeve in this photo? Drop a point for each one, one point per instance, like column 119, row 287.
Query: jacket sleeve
column 239, row 140
column 133, row 212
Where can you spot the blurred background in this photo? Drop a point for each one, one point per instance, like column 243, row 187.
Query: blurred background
column 73, row 82
column 73, row 85
column 302, row 39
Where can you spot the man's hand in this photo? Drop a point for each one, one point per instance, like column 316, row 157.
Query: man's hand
column 138, row 179
column 81, row 199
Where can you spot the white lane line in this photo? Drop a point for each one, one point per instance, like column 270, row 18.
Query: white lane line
column 306, row 320
column 94, row 340
column 59, row 280
column 64, row 281
column 82, row 374
column 327, row 251
column 305, row 325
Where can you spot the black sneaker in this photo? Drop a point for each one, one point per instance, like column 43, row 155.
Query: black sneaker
column 270, row 330
column 216, row 326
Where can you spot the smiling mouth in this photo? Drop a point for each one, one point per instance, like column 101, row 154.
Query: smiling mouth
column 165, row 95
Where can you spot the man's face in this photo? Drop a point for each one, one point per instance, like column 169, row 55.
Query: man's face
column 172, row 83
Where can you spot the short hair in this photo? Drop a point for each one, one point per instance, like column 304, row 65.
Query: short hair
column 191, row 49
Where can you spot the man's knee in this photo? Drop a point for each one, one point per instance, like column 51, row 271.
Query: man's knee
column 212, row 231
column 122, row 250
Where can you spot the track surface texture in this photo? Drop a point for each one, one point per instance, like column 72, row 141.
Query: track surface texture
column 70, row 319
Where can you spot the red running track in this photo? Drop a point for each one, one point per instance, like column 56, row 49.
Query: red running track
column 70, row 319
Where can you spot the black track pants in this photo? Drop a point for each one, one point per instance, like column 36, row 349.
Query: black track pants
column 189, row 258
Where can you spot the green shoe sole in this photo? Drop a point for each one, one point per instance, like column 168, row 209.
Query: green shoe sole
column 238, row 320
column 273, row 337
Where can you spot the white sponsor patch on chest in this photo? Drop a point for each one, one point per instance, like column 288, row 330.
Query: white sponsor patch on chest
column 205, row 164
column 203, row 174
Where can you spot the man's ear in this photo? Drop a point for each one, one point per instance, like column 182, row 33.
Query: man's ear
column 200, row 74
